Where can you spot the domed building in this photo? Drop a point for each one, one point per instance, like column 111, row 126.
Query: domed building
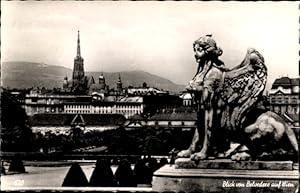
column 99, row 87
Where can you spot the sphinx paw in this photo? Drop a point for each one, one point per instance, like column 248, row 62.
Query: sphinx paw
column 184, row 153
column 221, row 155
column 198, row 156
column 240, row 156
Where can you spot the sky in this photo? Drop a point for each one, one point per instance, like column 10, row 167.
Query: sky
column 156, row 37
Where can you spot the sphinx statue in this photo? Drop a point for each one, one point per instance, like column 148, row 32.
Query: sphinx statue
column 225, row 97
column 232, row 125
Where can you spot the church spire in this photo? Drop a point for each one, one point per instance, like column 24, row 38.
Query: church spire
column 119, row 84
column 78, row 46
column 78, row 81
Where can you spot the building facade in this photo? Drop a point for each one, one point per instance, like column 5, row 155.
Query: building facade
column 284, row 99
column 63, row 123
column 169, row 120
column 45, row 101
column 184, row 120
column 37, row 102
column 187, row 99
column 284, row 96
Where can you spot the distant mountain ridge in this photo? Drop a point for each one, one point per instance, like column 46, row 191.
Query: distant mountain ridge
column 18, row 74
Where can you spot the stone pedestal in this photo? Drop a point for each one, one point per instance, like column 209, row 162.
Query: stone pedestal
column 226, row 176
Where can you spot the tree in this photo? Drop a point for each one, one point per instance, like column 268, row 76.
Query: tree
column 75, row 177
column 102, row 174
column 124, row 175
column 16, row 135
column 153, row 145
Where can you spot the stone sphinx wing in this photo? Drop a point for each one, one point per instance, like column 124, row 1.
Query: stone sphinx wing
column 241, row 88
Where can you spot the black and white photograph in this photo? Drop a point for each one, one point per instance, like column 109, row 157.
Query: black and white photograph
column 150, row 96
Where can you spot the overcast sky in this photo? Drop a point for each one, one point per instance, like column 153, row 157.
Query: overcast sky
column 156, row 37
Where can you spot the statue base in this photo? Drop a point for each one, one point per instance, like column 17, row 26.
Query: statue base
column 226, row 176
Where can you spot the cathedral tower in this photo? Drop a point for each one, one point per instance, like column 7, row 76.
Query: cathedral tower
column 119, row 84
column 78, row 70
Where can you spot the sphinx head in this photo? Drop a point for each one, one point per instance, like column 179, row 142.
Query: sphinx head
column 199, row 50
column 204, row 47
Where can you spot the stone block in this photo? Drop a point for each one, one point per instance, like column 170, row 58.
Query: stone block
column 169, row 178
column 234, row 165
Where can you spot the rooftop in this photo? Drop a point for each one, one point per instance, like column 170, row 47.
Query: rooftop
column 136, row 99
column 175, row 116
column 285, row 82
column 67, row 119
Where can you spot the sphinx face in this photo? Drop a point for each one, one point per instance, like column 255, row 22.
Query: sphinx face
column 199, row 52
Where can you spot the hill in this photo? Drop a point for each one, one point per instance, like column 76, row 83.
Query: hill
column 29, row 74
column 136, row 79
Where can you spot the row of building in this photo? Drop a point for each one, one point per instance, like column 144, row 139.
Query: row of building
column 40, row 102
column 137, row 110
column 83, row 97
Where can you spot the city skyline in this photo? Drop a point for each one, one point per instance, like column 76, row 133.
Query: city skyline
column 156, row 37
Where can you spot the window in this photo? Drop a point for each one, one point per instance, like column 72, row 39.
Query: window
column 294, row 100
column 286, row 99
column 278, row 100
column 273, row 100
